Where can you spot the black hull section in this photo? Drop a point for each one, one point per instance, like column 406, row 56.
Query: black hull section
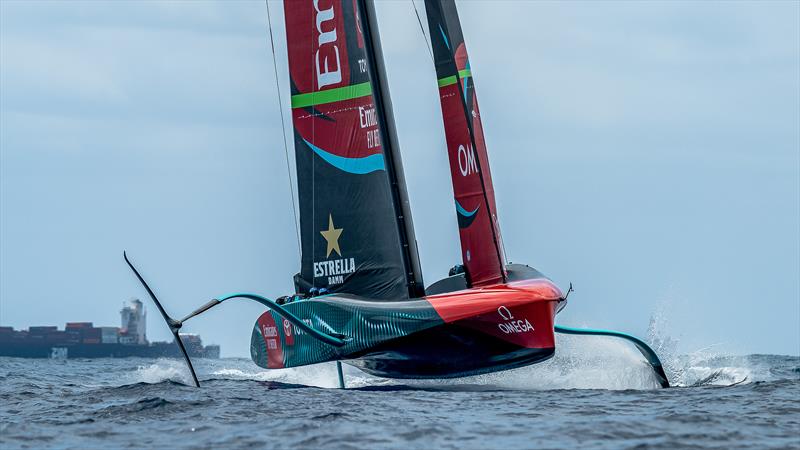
column 446, row 351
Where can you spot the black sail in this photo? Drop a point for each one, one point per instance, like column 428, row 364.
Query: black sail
column 354, row 236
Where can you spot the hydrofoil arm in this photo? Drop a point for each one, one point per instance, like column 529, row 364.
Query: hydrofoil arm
column 175, row 325
column 643, row 348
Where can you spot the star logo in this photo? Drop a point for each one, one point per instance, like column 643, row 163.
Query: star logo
column 331, row 236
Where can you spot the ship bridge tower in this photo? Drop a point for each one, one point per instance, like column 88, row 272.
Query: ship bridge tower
column 134, row 323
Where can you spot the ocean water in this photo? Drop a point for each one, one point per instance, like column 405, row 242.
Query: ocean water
column 596, row 393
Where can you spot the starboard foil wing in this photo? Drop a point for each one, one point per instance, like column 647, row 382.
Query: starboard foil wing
column 353, row 236
column 481, row 244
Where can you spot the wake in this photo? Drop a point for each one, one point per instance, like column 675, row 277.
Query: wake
column 580, row 362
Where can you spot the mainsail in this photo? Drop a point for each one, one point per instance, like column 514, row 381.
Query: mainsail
column 356, row 235
column 481, row 244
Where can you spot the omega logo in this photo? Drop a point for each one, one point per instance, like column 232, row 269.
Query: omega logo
column 467, row 164
column 511, row 325
column 287, row 328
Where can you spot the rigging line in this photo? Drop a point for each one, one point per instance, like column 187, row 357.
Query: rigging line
column 422, row 28
column 283, row 130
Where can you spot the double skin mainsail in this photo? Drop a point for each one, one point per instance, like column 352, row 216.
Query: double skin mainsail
column 355, row 224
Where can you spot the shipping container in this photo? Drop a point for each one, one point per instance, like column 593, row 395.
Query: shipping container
column 56, row 337
column 109, row 335
column 92, row 333
column 41, row 330
column 125, row 339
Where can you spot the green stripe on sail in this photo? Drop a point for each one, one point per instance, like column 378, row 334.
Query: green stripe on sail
column 331, row 95
column 447, row 81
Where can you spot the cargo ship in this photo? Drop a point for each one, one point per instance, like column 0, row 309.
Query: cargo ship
column 84, row 340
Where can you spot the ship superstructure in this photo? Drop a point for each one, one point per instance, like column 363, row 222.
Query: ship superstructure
column 134, row 323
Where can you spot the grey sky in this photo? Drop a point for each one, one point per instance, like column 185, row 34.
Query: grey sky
column 647, row 152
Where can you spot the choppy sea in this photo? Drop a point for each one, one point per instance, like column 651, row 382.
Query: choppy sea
column 595, row 393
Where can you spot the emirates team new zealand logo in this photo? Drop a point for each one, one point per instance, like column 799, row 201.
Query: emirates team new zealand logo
column 334, row 270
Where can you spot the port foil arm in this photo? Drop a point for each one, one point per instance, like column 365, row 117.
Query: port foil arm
column 335, row 340
column 649, row 354
column 201, row 309
column 174, row 325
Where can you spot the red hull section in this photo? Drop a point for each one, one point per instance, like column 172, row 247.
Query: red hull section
column 484, row 330
column 272, row 339
column 520, row 313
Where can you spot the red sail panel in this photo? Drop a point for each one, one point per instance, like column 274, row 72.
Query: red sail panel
column 481, row 242
column 349, row 233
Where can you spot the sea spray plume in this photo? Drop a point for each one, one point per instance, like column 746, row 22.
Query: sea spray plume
column 160, row 371
column 586, row 362
column 701, row 367
column 663, row 343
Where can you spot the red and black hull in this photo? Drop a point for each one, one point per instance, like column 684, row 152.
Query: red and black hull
column 450, row 334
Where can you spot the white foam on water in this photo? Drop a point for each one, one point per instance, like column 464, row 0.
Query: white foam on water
column 580, row 362
column 319, row 375
column 700, row 367
column 584, row 362
column 715, row 376
column 707, row 368
column 163, row 370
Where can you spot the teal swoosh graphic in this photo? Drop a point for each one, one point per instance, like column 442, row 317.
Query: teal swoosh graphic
column 464, row 212
column 446, row 42
column 358, row 166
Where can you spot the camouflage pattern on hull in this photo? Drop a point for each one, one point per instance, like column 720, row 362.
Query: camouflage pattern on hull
column 450, row 334
column 276, row 343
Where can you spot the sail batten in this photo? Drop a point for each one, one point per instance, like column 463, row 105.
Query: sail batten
column 481, row 242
